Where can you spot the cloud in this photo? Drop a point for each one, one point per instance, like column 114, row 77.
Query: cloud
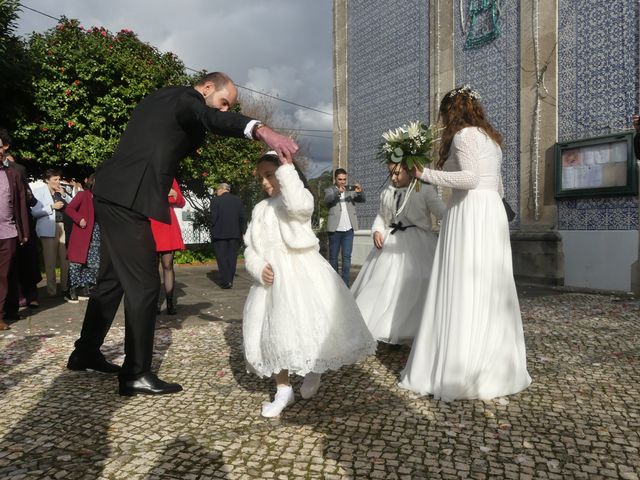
column 282, row 47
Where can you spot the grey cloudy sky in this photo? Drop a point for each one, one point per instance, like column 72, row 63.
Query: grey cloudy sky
column 281, row 47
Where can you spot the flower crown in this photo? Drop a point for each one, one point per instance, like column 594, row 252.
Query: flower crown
column 466, row 89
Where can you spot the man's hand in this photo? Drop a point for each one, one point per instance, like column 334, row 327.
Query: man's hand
column 378, row 240
column 358, row 188
column 284, row 146
column 82, row 223
column 58, row 205
column 267, row 275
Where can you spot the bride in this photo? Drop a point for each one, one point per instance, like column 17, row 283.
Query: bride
column 470, row 343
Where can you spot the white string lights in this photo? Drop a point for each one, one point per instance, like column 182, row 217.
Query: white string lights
column 541, row 93
column 534, row 143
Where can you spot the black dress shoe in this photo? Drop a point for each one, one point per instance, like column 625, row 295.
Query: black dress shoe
column 148, row 384
column 97, row 363
column 226, row 286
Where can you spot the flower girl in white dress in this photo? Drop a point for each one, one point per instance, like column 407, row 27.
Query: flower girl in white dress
column 391, row 287
column 470, row 343
column 299, row 316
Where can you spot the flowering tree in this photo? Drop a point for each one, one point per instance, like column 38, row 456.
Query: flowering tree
column 14, row 66
column 85, row 84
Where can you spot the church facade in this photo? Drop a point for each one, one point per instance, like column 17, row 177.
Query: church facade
column 550, row 73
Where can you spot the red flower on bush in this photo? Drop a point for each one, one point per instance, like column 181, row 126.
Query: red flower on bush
column 205, row 174
column 67, row 92
column 44, row 129
column 70, row 123
column 76, row 82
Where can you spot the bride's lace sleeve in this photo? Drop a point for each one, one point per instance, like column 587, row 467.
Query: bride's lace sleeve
column 465, row 148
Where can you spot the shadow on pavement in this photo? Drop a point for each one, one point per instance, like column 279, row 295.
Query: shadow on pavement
column 66, row 433
column 246, row 380
column 184, row 457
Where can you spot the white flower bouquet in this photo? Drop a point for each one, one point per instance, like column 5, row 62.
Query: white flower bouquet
column 411, row 144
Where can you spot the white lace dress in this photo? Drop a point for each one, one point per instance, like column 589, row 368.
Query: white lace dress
column 307, row 320
column 470, row 343
column 391, row 287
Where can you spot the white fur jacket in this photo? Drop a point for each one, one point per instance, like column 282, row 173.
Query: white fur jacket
column 415, row 209
column 293, row 208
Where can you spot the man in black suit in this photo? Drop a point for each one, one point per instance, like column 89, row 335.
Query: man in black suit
column 228, row 223
column 131, row 187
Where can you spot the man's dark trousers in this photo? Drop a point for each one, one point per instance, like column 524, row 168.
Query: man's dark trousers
column 129, row 267
column 8, row 279
column 226, row 255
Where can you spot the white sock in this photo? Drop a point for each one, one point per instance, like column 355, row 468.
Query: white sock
column 284, row 397
column 310, row 385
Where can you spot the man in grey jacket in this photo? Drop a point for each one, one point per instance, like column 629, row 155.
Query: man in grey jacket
column 341, row 198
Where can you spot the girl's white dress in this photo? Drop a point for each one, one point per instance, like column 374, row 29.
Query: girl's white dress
column 307, row 320
column 391, row 287
column 470, row 343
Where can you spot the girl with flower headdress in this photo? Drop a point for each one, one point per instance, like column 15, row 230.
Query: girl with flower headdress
column 392, row 284
column 470, row 343
column 299, row 316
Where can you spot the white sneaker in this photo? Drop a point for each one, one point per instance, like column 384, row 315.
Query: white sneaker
column 284, row 397
column 310, row 385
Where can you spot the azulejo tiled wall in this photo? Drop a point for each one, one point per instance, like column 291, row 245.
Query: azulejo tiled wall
column 494, row 71
column 598, row 67
column 388, row 84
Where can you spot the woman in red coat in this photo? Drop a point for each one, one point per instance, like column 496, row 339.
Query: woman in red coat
column 168, row 239
column 83, row 251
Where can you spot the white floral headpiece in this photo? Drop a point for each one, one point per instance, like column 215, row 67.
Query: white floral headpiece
column 465, row 89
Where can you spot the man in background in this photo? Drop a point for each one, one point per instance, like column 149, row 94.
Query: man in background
column 340, row 199
column 14, row 231
column 228, row 222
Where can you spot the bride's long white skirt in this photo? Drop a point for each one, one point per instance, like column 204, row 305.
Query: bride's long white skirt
column 392, row 285
column 470, row 343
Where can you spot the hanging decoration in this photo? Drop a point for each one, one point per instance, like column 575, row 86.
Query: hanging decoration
column 484, row 23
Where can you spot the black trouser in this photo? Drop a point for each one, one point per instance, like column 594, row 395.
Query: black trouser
column 226, row 255
column 129, row 267
column 8, row 278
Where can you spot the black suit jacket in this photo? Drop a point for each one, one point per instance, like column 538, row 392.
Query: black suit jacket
column 164, row 128
column 227, row 217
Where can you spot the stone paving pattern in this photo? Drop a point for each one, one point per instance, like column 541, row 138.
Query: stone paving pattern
column 579, row 419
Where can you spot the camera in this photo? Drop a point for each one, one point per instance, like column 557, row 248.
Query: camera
column 350, row 188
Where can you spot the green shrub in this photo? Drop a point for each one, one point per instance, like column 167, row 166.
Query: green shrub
column 194, row 254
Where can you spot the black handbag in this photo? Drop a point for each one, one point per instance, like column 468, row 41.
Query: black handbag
column 510, row 213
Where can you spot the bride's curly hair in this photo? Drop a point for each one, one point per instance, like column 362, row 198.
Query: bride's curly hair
column 461, row 108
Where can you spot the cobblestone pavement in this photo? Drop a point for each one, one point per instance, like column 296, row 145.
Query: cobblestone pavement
column 579, row 419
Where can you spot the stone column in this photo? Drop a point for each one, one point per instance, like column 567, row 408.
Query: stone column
column 340, row 93
column 537, row 247
column 442, row 71
column 635, row 266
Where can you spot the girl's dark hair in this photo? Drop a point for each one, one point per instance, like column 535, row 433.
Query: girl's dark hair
column 52, row 172
column 88, row 184
column 268, row 157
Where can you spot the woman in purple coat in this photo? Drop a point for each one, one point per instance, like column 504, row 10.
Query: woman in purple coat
column 83, row 252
